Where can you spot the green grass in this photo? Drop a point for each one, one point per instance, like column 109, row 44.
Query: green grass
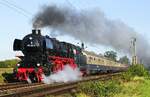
column 100, row 89
column 145, row 89
column 137, row 87
column 82, row 95
column 133, row 83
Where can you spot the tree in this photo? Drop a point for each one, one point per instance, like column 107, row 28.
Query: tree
column 124, row 60
column 111, row 55
column 8, row 63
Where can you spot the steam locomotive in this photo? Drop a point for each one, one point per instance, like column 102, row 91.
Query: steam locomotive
column 45, row 55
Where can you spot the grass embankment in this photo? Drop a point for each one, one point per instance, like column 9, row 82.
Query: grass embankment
column 6, row 69
column 133, row 83
column 138, row 87
column 3, row 72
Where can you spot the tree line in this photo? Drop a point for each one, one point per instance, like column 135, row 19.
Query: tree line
column 113, row 56
column 8, row 63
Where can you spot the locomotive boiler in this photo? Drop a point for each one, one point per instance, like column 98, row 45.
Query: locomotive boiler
column 46, row 55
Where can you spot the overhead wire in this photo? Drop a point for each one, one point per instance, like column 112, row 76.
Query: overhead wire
column 16, row 8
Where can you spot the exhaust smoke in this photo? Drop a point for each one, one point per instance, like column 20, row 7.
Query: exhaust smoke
column 92, row 26
column 66, row 75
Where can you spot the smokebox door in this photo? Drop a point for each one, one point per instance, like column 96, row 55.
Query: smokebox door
column 17, row 44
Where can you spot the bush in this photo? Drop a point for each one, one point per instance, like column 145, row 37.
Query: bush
column 135, row 70
column 100, row 89
column 8, row 63
column 8, row 77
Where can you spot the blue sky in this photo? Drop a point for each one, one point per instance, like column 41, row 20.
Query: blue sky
column 15, row 23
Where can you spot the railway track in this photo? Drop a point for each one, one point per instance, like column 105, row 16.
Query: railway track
column 11, row 84
column 15, row 85
column 41, row 90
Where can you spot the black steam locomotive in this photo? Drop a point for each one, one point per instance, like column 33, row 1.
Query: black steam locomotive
column 43, row 54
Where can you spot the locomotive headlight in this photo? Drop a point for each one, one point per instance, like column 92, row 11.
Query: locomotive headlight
column 18, row 65
column 38, row 64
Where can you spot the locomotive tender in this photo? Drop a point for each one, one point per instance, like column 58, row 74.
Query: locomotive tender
column 45, row 55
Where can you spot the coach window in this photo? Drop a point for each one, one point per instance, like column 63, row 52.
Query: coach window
column 49, row 44
column 91, row 58
column 103, row 61
column 99, row 60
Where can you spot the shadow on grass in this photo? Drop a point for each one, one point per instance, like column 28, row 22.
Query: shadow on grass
column 8, row 77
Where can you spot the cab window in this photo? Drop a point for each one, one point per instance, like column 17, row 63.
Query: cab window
column 49, row 44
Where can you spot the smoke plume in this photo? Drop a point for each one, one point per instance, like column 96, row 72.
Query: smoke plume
column 66, row 75
column 92, row 26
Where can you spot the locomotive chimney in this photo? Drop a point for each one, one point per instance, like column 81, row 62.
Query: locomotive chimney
column 82, row 46
column 34, row 31
column 39, row 32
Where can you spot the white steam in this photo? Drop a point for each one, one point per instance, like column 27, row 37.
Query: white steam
column 68, row 74
column 29, row 80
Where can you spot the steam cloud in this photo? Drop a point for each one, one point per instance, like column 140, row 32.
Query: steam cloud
column 66, row 75
column 93, row 27
column 29, row 81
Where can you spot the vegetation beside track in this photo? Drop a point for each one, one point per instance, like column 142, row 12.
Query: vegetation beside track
column 6, row 69
column 5, row 73
column 8, row 63
column 133, row 83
